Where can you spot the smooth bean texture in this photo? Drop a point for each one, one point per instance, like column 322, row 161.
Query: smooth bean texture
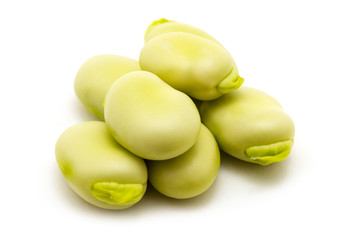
column 250, row 125
column 98, row 169
column 150, row 118
column 197, row 66
column 96, row 76
column 189, row 174
column 163, row 26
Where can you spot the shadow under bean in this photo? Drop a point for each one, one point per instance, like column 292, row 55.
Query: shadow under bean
column 155, row 199
column 151, row 202
column 262, row 175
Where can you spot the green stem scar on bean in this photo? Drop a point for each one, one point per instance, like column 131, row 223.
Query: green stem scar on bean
column 231, row 82
column 267, row 154
column 154, row 24
column 117, row 193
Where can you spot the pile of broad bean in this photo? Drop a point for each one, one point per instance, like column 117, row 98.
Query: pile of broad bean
column 164, row 120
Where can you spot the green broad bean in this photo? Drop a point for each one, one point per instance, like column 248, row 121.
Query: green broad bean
column 250, row 125
column 98, row 169
column 189, row 174
column 96, row 76
column 163, row 26
column 150, row 118
column 192, row 64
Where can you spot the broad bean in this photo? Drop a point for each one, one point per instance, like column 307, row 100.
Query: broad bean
column 250, row 125
column 192, row 64
column 96, row 76
column 98, row 169
column 150, row 118
column 189, row 174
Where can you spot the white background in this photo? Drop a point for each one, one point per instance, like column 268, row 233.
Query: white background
column 297, row 51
